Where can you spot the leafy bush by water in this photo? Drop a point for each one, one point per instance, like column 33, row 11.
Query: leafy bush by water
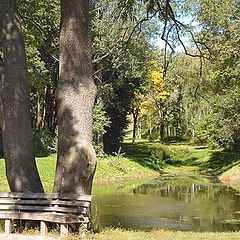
column 159, row 151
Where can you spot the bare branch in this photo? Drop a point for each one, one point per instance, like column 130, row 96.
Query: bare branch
column 97, row 60
column 140, row 22
column 179, row 26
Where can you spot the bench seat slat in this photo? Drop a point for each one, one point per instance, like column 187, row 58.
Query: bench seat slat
column 45, row 202
column 30, row 195
column 49, row 217
column 44, row 208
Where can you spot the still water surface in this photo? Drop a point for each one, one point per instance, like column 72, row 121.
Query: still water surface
column 176, row 203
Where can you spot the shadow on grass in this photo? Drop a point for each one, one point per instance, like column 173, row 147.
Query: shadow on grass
column 174, row 162
column 192, row 161
column 221, row 161
column 217, row 161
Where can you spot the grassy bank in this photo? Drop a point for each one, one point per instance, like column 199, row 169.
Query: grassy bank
column 217, row 161
column 181, row 157
column 225, row 165
column 110, row 169
column 143, row 161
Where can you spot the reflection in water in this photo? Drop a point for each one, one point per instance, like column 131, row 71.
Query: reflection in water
column 173, row 203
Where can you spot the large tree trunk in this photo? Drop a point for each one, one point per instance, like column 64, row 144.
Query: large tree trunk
column 21, row 167
column 1, row 108
column 75, row 98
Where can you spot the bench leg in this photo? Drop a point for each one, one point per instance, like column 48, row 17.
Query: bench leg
column 8, row 226
column 63, row 229
column 43, row 227
column 83, row 229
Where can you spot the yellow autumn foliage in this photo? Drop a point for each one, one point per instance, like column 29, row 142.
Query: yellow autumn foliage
column 158, row 85
column 156, row 91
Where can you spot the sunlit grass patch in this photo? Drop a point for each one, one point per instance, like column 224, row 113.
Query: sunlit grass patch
column 119, row 234
column 3, row 183
column 46, row 167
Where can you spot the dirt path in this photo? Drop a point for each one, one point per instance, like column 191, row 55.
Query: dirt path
column 24, row 237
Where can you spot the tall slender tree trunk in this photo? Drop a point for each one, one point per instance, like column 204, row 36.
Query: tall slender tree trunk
column 38, row 111
column 21, row 167
column 44, row 110
column 135, row 122
column 161, row 116
column 76, row 92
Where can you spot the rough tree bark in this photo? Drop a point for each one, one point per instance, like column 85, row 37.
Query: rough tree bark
column 75, row 95
column 21, row 170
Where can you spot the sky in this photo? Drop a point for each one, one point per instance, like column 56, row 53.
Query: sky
column 186, row 39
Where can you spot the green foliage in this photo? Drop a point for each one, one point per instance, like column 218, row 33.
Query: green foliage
column 204, row 100
column 40, row 23
column 117, row 109
column 120, row 56
column 153, row 136
column 45, row 143
column 174, row 139
column 220, row 33
column 100, row 121
column 218, row 128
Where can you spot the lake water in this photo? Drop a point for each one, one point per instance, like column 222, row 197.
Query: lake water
column 176, row 203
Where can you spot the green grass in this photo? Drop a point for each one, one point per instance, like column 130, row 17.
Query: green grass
column 216, row 161
column 118, row 234
column 120, row 168
column 109, row 169
column 3, row 183
column 46, row 167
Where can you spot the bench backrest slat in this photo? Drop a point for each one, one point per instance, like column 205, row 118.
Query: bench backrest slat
column 64, row 206
column 29, row 195
column 44, row 202
column 49, row 203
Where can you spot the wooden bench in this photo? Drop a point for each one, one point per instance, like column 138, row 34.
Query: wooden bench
column 62, row 208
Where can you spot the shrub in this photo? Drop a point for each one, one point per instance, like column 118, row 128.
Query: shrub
column 179, row 153
column 159, row 151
